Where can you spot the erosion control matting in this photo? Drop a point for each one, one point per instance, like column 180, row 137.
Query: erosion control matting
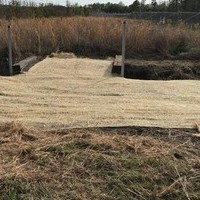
column 81, row 92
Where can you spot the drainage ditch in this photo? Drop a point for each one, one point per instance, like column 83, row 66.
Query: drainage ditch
column 156, row 72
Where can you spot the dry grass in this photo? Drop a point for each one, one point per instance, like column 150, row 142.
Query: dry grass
column 96, row 36
column 97, row 164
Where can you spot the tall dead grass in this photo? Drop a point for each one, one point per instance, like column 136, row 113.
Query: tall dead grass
column 96, row 36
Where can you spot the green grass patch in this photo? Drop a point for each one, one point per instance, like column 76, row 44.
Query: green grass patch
column 12, row 189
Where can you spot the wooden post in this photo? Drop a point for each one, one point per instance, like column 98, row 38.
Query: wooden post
column 10, row 50
column 123, row 48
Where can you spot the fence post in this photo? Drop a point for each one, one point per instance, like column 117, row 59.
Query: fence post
column 123, row 48
column 10, row 51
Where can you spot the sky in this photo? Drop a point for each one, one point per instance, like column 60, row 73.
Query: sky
column 85, row 2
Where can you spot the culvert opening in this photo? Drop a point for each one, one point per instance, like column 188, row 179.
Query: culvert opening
column 19, row 67
column 156, row 72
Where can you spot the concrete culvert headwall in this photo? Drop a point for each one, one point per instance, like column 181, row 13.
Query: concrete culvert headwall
column 22, row 66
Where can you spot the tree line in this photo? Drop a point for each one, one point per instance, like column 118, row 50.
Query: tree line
column 24, row 9
column 154, row 6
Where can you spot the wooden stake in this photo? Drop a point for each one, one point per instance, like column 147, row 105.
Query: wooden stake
column 10, row 51
column 123, row 48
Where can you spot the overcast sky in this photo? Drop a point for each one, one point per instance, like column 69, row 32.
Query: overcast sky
column 85, row 2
